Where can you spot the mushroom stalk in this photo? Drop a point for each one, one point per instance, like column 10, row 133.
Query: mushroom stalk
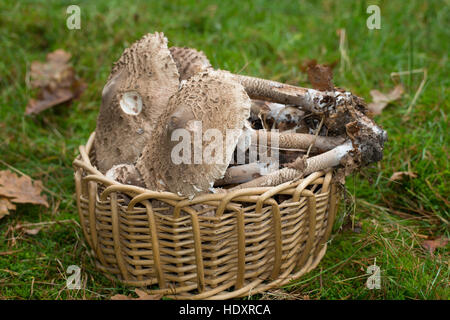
column 309, row 99
column 290, row 140
column 242, row 173
column 320, row 162
column 273, row 179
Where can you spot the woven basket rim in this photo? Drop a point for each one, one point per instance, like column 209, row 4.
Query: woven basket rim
column 264, row 193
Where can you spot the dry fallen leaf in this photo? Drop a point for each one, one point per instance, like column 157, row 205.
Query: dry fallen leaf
column 56, row 80
column 319, row 75
column 23, row 228
column 5, row 206
column 15, row 189
column 141, row 296
column 400, row 174
column 381, row 100
column 431, row 245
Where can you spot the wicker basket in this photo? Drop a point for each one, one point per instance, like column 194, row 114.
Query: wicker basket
column 254, row 240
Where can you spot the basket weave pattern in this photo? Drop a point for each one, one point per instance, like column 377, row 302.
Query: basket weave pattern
column 216, row 246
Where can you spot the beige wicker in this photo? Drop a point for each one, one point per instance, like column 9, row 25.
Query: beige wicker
column 252, row 240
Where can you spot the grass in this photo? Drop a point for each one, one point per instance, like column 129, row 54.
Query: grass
column 262, row 38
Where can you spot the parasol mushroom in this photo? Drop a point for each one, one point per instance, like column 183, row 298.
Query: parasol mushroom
column 136, row 94
column 207, row 101
column 189, row 61
column 211, row 99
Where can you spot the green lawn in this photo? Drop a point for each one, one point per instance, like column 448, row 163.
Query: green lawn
column 268, row 39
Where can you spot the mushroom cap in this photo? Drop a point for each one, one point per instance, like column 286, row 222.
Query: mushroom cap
column 213, row 100
column 136, row 94
column 189, row 61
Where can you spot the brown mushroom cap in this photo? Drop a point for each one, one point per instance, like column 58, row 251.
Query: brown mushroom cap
column 189, row 61
column 219, row 103
column 136, row 94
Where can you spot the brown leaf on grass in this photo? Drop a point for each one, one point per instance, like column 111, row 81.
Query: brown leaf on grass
column 22, row 228
column 15, row 189
column 401, row 174
column 5, row 206
column 56, row 80
column 319, row 75
column 381, row 100
column 142, row 295
column 431, row 245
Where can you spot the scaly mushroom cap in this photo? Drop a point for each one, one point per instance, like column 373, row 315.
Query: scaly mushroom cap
column 136, row 94
column 189, row 61
column 208, row 100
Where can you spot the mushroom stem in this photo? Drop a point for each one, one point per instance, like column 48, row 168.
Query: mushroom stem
column 273, row 179
column 292, row 140
column 328, row 159
column 320, row 162
column 309, row 99
column 289, row 140
column 242, row 173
